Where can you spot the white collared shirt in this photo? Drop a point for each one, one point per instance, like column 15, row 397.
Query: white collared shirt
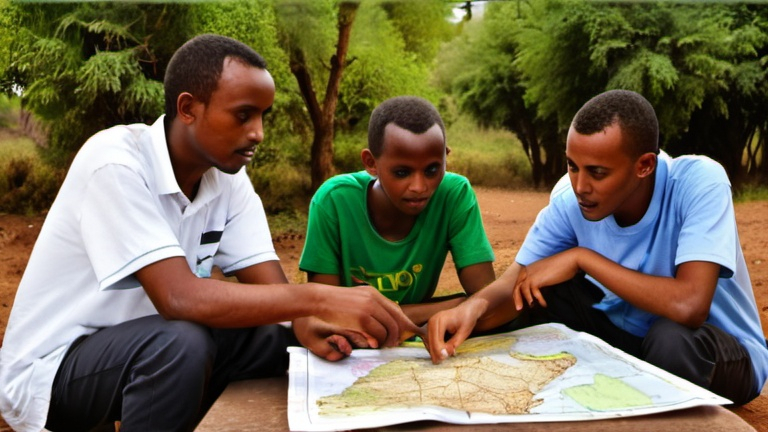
column 119, row 209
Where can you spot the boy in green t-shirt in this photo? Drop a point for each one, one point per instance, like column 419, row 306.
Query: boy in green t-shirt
column 392, row 225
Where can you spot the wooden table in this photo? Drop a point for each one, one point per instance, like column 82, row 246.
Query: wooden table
column 261, row 405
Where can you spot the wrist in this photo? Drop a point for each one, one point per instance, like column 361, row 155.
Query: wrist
column 476, row 306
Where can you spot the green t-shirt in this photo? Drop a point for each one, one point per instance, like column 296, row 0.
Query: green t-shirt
column 341, row 240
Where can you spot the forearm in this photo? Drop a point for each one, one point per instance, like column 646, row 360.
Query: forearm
column 493, row 304
column 422, row 312
column 685, row 298
column 223, row 304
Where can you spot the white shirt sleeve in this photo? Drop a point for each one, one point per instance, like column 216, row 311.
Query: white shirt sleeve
column 123, row 226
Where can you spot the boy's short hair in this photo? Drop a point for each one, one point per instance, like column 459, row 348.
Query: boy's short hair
column 633, row 113
column 411, row 113
column 196, row 67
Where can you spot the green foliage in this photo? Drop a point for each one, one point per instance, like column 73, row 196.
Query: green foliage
column 423, row 25
column 751, row 192
column 283, row 187
column 9, row 110
column 487, row 157
column 382, row 68
column 347, row 148
column 702, row 66
column 87, row 66
column 27, row 184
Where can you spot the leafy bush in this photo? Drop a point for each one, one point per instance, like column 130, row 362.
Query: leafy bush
column 283, row 187
column 751, row 192
column 9, row 111
column 346, row 151
column 28, row 185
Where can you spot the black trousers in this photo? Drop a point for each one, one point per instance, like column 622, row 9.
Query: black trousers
column 157, row 375
column 707, row 356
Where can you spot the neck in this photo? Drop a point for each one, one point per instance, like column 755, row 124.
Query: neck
column 187, row 173
column 634, row 210
column 388, row 221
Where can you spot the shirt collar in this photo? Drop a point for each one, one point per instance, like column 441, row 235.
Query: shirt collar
column 161, row 159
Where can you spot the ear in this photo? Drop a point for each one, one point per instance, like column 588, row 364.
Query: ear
column 369, row 162
column 646, row 165
column 186, row 108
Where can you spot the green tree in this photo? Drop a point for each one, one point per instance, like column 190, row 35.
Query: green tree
column 388, row 61
column 480, row 70
column 701, row 66
column 86, row 66
column 304, row 46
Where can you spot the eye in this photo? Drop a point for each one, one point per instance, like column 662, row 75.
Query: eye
column 432, row 170
column 243, row 116
column 401, row 173
column 598, row 173
column 572, row 167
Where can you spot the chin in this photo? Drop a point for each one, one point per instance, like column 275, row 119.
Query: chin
column 229, row 170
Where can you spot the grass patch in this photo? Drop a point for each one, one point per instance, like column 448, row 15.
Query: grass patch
column 13, row 146
column 287, row 223
column 487, row 157
column 751, row 192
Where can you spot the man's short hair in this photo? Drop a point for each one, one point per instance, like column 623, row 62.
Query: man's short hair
column 633, row 113
column 411, row 113
column 196, row 67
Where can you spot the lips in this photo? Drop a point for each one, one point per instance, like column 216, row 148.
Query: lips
column 247, row 152
column 587, row 205
column 416, row 202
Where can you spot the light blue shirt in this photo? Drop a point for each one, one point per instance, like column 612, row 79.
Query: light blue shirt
column 690, row 218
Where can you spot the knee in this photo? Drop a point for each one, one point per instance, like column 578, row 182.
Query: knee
column 182, row 343
column 674, row 348
column 664, row 339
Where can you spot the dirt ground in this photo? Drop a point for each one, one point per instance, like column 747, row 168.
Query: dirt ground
column 507, row 214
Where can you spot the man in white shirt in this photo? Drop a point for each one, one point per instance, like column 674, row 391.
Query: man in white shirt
column 115, row 317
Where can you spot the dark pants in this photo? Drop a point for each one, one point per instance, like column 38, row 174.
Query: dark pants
column 158, row 375
column 706, row 356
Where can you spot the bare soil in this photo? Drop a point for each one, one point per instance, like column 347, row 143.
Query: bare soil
column 507, row 215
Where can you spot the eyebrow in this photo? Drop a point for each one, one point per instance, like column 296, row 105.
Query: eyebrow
column 588, row 167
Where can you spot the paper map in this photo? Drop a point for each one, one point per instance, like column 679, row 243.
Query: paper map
column 544, row 373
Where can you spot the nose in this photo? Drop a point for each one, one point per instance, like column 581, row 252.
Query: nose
column 256, row 130
column 580, row 183
column 419, row 183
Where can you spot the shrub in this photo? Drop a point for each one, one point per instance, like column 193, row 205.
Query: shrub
column 282, row 186
column 27, row 185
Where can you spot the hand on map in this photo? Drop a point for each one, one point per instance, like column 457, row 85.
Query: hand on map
column 543, row 273
column 367, row 312
column 457, row 322
column 326, row 340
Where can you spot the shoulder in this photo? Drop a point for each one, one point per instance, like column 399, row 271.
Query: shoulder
column 561, row 196
column 455, row 184
column 116, row 145
column 350, row 184
column 454, row 193
column 694, row 169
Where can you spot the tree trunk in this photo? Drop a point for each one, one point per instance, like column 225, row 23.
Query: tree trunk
column 323, row 115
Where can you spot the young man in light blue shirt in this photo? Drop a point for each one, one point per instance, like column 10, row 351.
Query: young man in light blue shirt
column 639, row 249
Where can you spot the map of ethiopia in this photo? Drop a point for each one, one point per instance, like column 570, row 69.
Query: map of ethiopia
column 542, row 373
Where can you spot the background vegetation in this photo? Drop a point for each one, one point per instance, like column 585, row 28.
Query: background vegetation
column 507, row 81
